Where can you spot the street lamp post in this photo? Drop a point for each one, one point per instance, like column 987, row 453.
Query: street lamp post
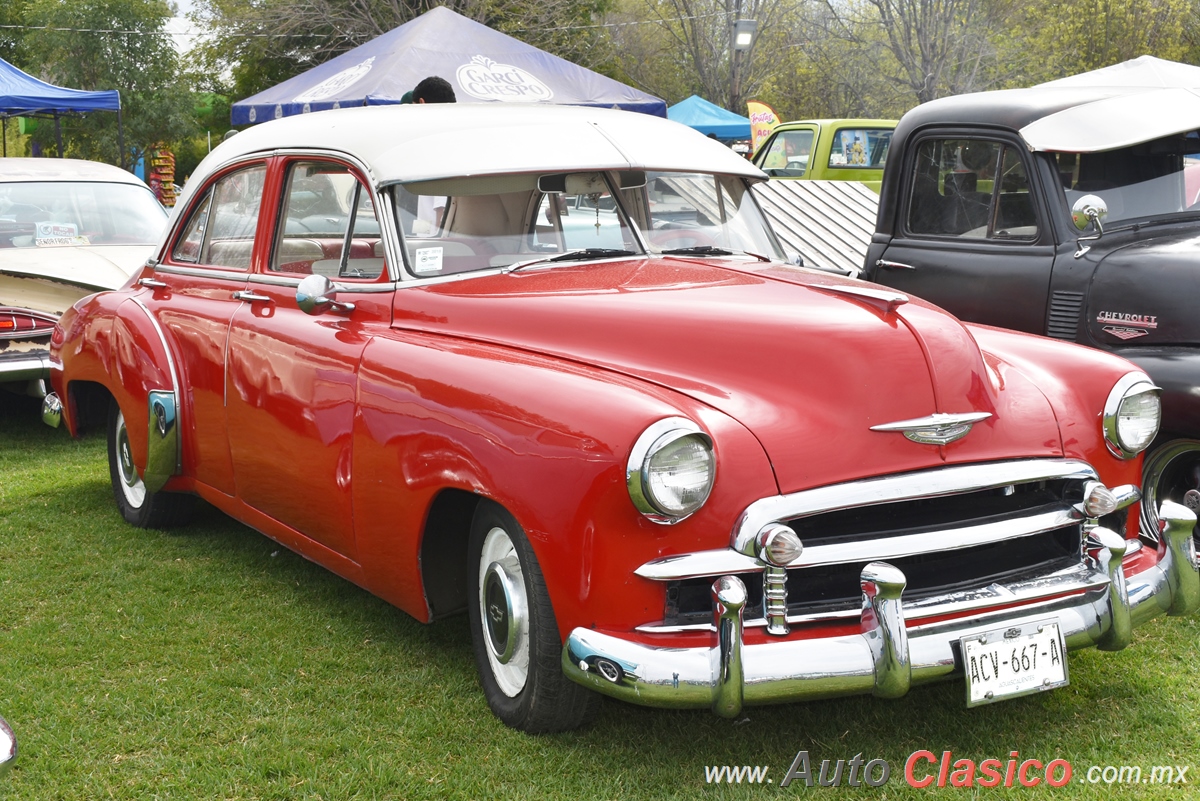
column 742, row 37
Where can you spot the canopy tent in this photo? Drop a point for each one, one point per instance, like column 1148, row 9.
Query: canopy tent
column 481, row 64
column 23, row 95
column 1123, row 104
column 709, row 118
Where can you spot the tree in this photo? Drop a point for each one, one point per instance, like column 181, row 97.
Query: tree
column 110, row 44
column 675, row 48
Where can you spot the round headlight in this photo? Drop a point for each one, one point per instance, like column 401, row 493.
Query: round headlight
column 1132, row 415
column 671, row 470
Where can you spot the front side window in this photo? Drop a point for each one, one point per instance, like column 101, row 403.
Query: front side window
column 787, row 154
column 221, row 224
column 971, row 188
column 329, row 226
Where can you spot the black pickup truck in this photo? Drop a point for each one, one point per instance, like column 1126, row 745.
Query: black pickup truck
column 1069, row 210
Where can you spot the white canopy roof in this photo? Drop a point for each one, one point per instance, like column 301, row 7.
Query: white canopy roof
column 1135, row 101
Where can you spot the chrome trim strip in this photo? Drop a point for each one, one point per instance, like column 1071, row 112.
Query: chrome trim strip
column 725, row 560
column 203, row 272
column 293, row 280
column 1077, row 579
column 886, row 489
column 881, row 298
column 173, row 390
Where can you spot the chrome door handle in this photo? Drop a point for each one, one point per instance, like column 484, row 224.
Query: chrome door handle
column 246, row 294
column 893, row 265
column 151, row 282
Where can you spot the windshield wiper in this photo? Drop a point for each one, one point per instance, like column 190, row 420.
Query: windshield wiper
column 582, row 254
column 709, row 250
column 698, row 250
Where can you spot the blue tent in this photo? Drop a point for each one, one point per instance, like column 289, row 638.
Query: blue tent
column 22, row 95
column 481, row 64
column 708, row 118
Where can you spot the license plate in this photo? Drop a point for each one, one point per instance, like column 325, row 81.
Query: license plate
column 1019, row 660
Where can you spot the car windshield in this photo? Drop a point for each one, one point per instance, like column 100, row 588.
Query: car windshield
column 1150, row 180
column 56, row 213
column 511, row 221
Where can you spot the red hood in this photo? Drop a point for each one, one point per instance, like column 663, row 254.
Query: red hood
column 807, row 369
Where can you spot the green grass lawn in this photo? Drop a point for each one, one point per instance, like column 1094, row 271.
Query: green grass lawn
column 210, row 663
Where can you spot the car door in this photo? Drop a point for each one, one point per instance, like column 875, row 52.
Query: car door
column 971, row 236
column 293, row 376
column 196, row 290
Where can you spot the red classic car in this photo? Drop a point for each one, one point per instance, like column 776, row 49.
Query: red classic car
column 548, row 366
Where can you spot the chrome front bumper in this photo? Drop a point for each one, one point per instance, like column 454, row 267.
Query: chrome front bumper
column 889, row 655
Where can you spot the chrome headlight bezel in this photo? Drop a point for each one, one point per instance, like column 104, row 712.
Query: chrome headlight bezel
column 1130, row 388
column 652, row 441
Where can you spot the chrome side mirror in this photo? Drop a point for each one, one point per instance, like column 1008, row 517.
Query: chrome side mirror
column 1088, row 210
column 314, row 296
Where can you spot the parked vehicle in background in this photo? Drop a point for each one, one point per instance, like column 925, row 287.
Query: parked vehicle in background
column 68, row 228
column 1068, row 210
column 591, row 406
column 839, row 150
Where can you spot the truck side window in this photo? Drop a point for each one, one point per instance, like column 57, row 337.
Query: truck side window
column 970, row 188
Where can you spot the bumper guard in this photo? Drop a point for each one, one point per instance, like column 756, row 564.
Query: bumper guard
column 887, row 657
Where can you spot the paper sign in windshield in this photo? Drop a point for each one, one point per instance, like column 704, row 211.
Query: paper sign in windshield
column 429, row 260
column 52, row 234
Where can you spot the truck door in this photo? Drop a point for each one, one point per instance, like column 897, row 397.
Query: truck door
column 970, row 236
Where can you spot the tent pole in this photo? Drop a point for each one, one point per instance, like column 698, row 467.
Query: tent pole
column 4, row 136
column 121, row 137
column 58, row 133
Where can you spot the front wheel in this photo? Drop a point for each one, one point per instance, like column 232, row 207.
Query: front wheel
column 514, row 633
column 1171, row 473
column 138, row 506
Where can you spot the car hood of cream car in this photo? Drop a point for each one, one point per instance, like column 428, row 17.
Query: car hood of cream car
column 775, row 352
column 91, row 268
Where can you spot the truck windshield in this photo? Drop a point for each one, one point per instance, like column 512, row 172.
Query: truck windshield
column 1149, row 180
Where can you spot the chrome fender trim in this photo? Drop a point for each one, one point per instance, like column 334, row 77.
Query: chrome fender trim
column 162, row 444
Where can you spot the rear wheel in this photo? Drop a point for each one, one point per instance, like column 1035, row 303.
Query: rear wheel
column 138, row 506
column 1171, row 473
column 514, row 633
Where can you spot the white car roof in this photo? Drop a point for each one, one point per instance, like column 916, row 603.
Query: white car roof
column 48, row 169
column 405, row 143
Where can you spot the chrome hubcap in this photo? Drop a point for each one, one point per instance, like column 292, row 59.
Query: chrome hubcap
column 504, row 612
column 131, row 485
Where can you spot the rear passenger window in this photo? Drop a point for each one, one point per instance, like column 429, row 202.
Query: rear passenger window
column 971, row 188
column 329, row 226
column 220, row 231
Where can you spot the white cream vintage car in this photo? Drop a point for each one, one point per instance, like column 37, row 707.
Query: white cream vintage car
column 68, row 228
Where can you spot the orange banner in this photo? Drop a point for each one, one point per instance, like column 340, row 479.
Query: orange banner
column 763, row 120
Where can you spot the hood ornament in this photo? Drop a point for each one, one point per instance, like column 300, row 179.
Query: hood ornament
column 936, row 429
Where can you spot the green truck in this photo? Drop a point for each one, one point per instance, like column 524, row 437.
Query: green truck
column 839, row 150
